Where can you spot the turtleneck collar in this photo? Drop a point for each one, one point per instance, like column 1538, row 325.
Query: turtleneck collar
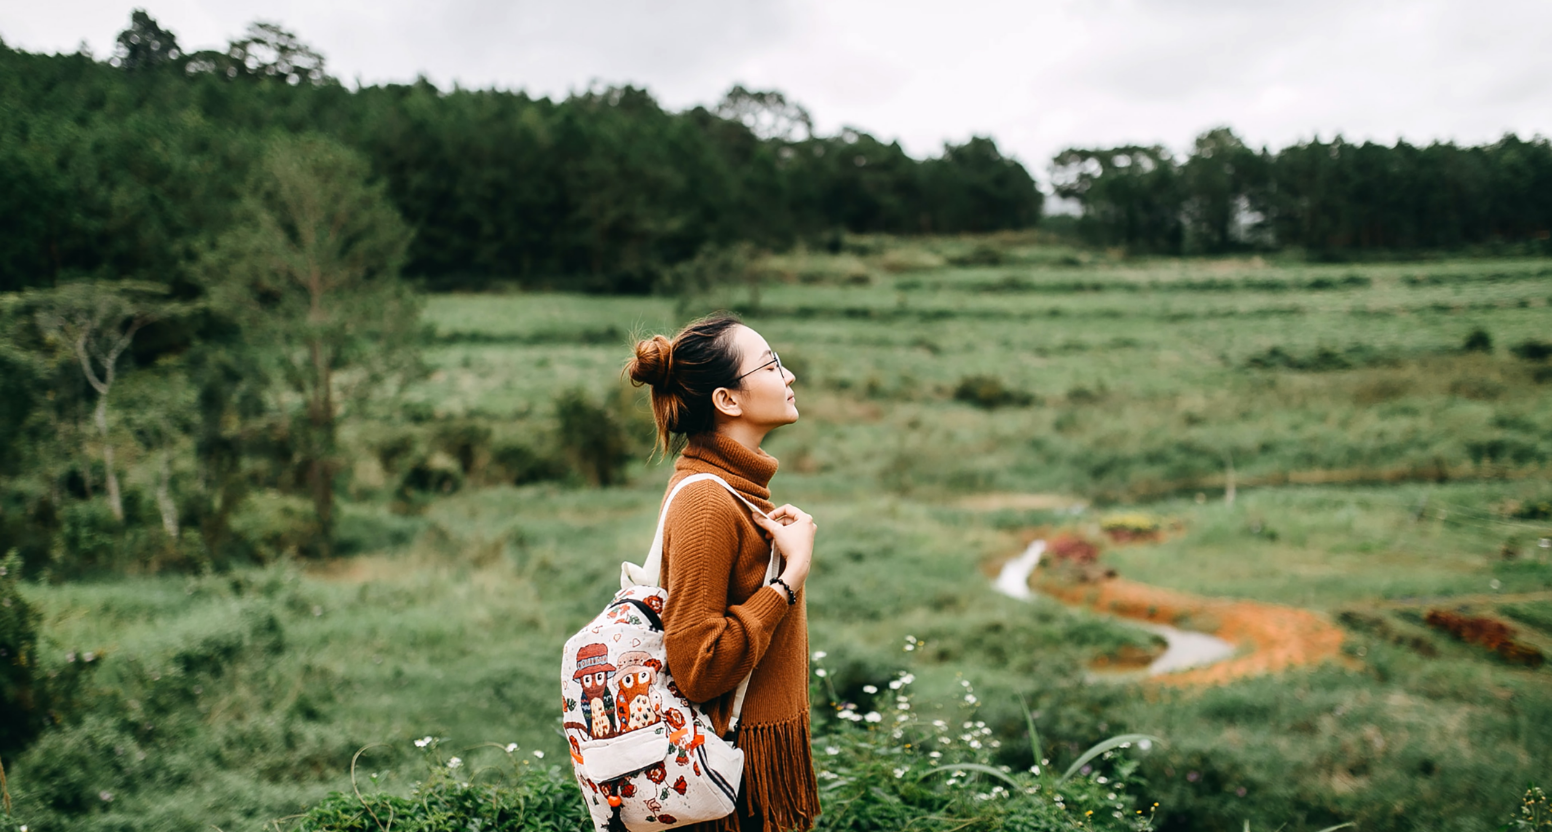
column 748, row 471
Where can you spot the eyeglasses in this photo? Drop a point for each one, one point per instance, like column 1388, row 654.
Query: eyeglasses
column 775, row 359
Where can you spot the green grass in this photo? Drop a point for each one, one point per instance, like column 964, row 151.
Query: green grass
column 1381, row 482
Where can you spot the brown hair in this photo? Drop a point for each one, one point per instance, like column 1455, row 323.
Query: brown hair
column 683, row 373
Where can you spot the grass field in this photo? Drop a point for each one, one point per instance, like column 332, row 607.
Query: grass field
column 949, row 412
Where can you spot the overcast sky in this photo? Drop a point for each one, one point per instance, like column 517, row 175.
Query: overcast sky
column 1037, row 75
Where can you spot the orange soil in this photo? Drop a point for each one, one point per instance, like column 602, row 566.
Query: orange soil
column 1278, row 637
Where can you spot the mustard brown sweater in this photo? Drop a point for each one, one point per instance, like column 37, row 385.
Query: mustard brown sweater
column 721, row 620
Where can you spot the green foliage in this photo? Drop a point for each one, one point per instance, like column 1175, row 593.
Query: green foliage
column 1533, row 350
column 989, row 392
column 592, row 436
column 1535, row 812
column 892, row 767
column 18, row 659
column 1323, row 197
column 1478, row 340
column 311, row 272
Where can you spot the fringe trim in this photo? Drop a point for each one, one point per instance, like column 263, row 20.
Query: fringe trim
column 779, row 782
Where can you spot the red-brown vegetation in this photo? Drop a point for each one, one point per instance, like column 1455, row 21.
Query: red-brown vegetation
column 1488, row 632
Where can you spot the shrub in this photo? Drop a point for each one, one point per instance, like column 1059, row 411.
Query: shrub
column 1533, row 350
column 989, row 392
column 1478, row 341
column 1131, row 526
column 18, row 659
column 519, row 464
column 592, row 437
column 1488, row 632
column 882, row 764
column 517, row 795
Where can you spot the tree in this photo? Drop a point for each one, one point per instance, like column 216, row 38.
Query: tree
column 144, row 45
column 265, row 51
column 1218, row 181
column 1130, row 195
column 767, row 113
column 312, row 273
column 96, row 322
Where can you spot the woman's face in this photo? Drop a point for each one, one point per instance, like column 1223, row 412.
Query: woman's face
column 766, row 398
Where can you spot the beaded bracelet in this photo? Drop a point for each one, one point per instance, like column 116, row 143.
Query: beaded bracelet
column 792, row 597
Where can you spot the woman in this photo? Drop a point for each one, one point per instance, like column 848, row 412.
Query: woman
column 717, row 389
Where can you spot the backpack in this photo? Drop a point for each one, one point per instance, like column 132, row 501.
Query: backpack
column 645, row 757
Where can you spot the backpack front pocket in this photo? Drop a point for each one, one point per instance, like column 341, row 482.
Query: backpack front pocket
column 607, row 759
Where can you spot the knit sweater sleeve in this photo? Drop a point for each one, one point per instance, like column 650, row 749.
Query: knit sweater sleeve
column 712, row 644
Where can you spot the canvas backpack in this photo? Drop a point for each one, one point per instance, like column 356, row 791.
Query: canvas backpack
column 645, row 756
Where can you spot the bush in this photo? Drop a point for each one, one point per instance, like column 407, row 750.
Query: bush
column 1533, row 350
column 519, row 464
column 518, row 795
column 989, row 392
column 1478, row 341
column 883, row 765
column 592, row 437
column 18, row 659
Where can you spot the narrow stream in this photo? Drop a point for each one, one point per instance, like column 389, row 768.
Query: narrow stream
column 1186, row 649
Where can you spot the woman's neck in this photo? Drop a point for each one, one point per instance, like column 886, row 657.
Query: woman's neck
column 744, row 434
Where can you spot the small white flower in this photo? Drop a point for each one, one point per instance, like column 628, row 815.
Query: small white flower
column 869, row 689
column 945, row 740
column 895, row 685
column 902, row 705
column 964, row 683
column 996, row 744
column 832, row 750
column 88, row 656
column 1110, row 796
column 970, row 698
column 901, row 717
column 899, row 773
column 539, row 754
column 874, row 716
column 938, row 723
column 1034, row 770
column 911, row 639
column 1145, row 744
column 455, row 762
column 897, row 733
column 70, row 657
column 819, row 654
column 820, row 673
column 1101, row 780
column 511, row 746
column 934, row 754
column 907, row 678
column 105, row 796
column 423, row 742
column 909, row 647
column 975, row 743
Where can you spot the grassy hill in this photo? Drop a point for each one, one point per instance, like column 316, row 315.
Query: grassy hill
column 958, row 398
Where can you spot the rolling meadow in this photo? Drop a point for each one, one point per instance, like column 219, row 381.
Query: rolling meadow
column 1366, row 441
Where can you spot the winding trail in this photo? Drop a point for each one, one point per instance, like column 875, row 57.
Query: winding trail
column 1248, row 638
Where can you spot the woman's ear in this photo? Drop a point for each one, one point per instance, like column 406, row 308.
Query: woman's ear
column 726, row 403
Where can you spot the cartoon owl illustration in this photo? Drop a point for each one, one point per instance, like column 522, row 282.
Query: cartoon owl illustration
column 637, row 704
column 594, row 673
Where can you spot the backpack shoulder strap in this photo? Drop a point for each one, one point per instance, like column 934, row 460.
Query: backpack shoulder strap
column 650, row 572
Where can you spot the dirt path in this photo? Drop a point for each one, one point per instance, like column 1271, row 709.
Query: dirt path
column 1272, row 637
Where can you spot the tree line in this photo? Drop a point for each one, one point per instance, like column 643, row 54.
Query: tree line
column 1325, row 197
column 124, row 168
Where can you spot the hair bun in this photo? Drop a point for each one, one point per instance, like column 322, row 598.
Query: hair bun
column 654, row 361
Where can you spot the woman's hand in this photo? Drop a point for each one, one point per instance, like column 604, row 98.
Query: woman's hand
column 792, row 530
